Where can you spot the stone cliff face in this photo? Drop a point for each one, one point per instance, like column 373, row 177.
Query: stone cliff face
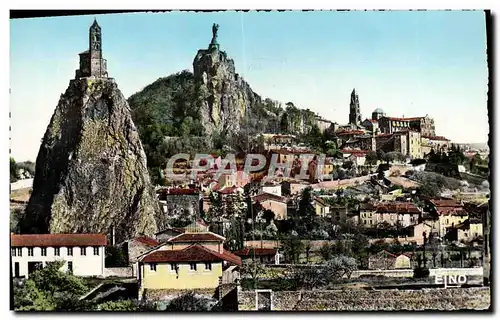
column 226, row 96
column 91, row 172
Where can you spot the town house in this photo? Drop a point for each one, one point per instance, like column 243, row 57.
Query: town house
column 272, row 202
column 402, row 214
column 322, row 207
column 448, row 212
column 83, row 253
column 193, row 261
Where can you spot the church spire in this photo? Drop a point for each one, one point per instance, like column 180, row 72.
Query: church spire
column 354, row 109
column 92, row 63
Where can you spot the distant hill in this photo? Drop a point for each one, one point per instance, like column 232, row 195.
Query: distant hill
column 479, row 145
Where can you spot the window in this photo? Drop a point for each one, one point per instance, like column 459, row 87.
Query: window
column 96, row 251
column 13, row 250
column 83, row 251
column 152, row 267
column 70, row 266
column 192, row 266
column 20, row 252
column 57, row 251
column 44, row 252
column 30, row 252
column 208, row 266
column 70, row 251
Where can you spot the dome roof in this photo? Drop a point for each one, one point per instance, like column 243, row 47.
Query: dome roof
column 378, row 110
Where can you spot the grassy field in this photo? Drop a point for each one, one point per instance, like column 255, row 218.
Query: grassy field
column 20, row 194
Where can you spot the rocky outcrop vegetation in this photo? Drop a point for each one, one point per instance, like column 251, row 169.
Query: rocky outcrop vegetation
column 213, row 104
column 91, row 172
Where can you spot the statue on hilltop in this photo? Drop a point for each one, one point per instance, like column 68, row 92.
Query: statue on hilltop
column 215, row 29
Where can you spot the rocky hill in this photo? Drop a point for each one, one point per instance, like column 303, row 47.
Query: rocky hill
column 91, row 172
column 213, row 102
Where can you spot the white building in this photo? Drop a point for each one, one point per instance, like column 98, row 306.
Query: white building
column 83, row 253
column 271, row 188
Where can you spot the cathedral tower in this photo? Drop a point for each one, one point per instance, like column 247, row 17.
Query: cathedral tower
column 354, row 111
column 91, row 62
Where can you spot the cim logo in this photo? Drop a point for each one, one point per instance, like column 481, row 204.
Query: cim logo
column 451, row 281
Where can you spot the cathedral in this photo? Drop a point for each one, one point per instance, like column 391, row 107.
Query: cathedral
column 91, row 62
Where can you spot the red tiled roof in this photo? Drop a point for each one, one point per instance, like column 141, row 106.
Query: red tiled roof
column 57, row 240
column 350, row 132
column 397, row 207
column 267, row 196
column 382, row 135
column 245, row 252
column 390, row 255
column 451, row 211
column 197, row 237
column 445, row 203
column 408, row 254
column 147, row 241
column 195, row 253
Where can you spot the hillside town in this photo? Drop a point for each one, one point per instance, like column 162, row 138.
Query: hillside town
column 326, row 214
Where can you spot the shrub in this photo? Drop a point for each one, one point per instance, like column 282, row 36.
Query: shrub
column 420, row 272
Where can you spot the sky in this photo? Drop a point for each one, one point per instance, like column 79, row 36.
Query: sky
column 409, row 63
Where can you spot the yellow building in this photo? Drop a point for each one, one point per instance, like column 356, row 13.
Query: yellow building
column 327, row 167
column 322, row 208
column 466, row 231
column 403, row 261
column 476, row 229
column 450, row 217
column 194, row 260
column 414, row 144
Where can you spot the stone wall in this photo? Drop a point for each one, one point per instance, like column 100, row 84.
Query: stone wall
column 373, row 300
column 122, row 272
column 166, row 294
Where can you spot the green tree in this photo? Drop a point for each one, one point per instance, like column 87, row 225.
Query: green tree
column 115, row 257
column 191, row 302
column 49, row 289
column 292, row 248
column 14, row 175
column 123, row 305
column 321, row 276
column 252, row 269
column 371, row 158
column 235, row 235
column 16, row 216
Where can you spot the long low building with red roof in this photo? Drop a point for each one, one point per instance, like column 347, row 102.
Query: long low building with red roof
column 83, row 254
column 403, row 214
column 264, row 255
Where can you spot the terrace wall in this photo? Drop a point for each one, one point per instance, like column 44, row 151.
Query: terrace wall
column 363, row 300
